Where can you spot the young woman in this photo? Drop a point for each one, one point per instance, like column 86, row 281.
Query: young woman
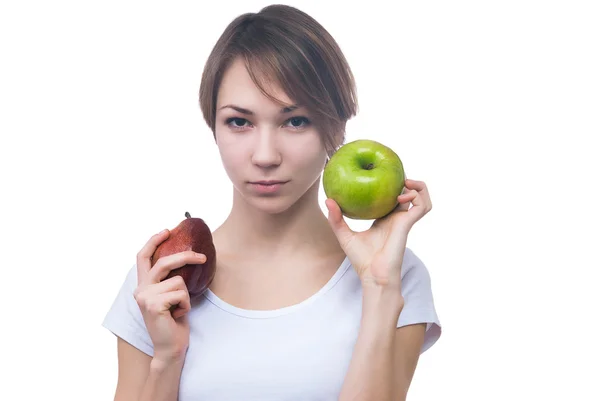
column 301, row 307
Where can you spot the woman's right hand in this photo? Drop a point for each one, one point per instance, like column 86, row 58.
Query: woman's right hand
column 164, row 304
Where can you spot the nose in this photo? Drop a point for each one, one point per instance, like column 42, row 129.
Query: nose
column 266, row 152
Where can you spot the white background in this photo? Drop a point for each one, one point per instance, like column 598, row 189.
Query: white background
column 495, row 105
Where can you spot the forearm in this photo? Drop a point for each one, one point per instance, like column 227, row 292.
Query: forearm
column 162, row 383
column 371, row 373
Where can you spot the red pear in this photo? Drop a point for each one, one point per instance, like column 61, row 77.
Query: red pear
column 192, row 234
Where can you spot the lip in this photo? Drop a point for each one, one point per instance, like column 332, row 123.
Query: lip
column 267, row 182
column 267, row 186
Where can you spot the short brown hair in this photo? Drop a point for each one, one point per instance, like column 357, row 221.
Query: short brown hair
column 283, row 44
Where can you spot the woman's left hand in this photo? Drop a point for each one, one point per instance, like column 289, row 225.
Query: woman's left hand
column 378, row 252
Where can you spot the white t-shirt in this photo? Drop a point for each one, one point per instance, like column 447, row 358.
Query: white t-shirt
column 300, row 352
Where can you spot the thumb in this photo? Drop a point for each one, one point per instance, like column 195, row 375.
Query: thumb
column 338, row 224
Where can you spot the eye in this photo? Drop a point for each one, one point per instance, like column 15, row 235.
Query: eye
column 236, row 122
column 298, row 122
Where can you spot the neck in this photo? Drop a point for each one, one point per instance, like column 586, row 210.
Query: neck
column 300, row 229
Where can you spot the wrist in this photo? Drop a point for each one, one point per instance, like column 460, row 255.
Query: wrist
column 382, row 304
column 164, row 360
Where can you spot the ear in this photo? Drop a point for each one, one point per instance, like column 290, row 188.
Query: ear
column 337, row 142
column 340, row 137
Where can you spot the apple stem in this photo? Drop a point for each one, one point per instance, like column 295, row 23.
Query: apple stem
column 369, row 166
column 188, row 215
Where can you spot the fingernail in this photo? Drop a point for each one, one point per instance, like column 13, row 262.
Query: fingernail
column 163, row 231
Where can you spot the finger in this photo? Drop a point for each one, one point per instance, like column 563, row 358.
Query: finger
column 337, row 222
column 414, row 184
column 145, row 254
column 421, row 204
column 407, row 198
column 179, row 299
column 179, row 312
column 171, row 284
column 423, row 200
column 164, row 265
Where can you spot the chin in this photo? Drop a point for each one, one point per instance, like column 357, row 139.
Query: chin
column 270, row 205
column 278, row 203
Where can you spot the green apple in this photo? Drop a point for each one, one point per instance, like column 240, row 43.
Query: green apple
column 365, row 178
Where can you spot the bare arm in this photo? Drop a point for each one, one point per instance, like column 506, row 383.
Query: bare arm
column 385, row 357
column 144, row 378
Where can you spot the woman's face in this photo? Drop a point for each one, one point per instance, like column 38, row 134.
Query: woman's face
column 272, row 155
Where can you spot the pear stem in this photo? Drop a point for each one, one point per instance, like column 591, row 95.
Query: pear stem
column 188, row 215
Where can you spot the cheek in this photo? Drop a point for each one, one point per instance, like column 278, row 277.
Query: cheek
column 231, row 156
column 307, row 155
column 231, row 159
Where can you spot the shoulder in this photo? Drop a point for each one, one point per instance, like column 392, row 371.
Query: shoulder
column 413, row 267
column 419, row 304
column 124, row 318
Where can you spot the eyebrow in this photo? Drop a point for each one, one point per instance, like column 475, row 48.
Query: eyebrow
column 251, row 113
